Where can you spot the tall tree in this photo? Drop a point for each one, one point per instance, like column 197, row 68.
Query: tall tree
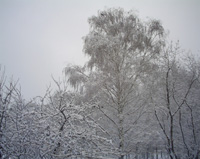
column 121, row 49
column 176, row 100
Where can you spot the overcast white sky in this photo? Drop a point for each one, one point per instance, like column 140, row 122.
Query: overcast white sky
column 38, row 38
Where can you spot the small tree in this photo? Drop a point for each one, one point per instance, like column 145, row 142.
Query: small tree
column 19, row 136
column 69, row 127
column 7, row 94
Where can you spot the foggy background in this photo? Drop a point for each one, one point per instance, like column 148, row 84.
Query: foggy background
column 38, row 38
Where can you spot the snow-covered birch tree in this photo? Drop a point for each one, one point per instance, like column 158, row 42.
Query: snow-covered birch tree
column 121, row 49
